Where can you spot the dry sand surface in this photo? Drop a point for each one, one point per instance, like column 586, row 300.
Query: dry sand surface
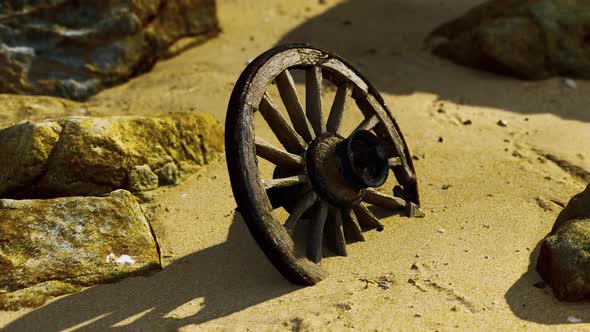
column 466, row 266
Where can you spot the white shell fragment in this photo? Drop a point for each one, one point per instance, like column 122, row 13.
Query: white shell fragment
column 125, row 260
column 121, row 260
column 570, row 83
column 573, row 319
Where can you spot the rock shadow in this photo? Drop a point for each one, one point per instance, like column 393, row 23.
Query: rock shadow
column 209, row 284
column 539, row 304
column 384, row 39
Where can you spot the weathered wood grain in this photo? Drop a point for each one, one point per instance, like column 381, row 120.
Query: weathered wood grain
column 374, row 197
column 335, row 233
column 277, row 156
column 316, row 232
column 285, row 182
column 303, row 204
column 366, row 218
column 313, row 99
column 343, row 94
column 352, row 229
column 280, row 127
column 288, row 93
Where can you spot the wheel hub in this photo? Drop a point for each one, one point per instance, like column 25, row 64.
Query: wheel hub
column 340, row 169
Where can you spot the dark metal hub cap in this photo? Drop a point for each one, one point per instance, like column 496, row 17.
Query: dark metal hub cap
column 340, row 169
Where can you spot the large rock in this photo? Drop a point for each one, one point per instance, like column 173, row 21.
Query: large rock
column 564, row 259
column 530, row 39
column 73, row 48
column 94, row 156
column 55, row 246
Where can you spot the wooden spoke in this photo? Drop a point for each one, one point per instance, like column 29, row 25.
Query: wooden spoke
column 335, row 234
column 313, row 99
column 285, row 182
column 302, row 205
column 366, row 218
column 352, row 229
column 277, row 156
column 368, row 124
column 394, row 162
column 316, row 232
column 374, row 197
column 288, row 93
column 338, row 106
column 278, row 198
column 280, row 127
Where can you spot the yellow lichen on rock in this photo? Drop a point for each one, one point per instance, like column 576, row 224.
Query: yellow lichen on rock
column 70, row 240
column 94, row 155
column 24, row 152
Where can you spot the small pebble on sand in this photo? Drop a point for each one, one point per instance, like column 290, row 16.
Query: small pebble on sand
column 384, row 285
column 440, row 231
column 570, row 83
column 502, row 123
column 417, row 315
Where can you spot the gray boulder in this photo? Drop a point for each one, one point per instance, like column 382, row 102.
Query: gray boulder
column 75, row 48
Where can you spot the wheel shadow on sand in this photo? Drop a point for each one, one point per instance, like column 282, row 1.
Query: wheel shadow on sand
column 206, row 285
column 539, row 304
column 385, row 40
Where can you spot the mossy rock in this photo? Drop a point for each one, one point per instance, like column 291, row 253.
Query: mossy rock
column 70, row 240
column 95, row 155
column 564, row 259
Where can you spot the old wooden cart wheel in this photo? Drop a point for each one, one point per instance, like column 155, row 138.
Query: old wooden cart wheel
column 321, row 178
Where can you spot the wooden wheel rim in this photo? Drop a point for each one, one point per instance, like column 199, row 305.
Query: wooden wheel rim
column 251, row 198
